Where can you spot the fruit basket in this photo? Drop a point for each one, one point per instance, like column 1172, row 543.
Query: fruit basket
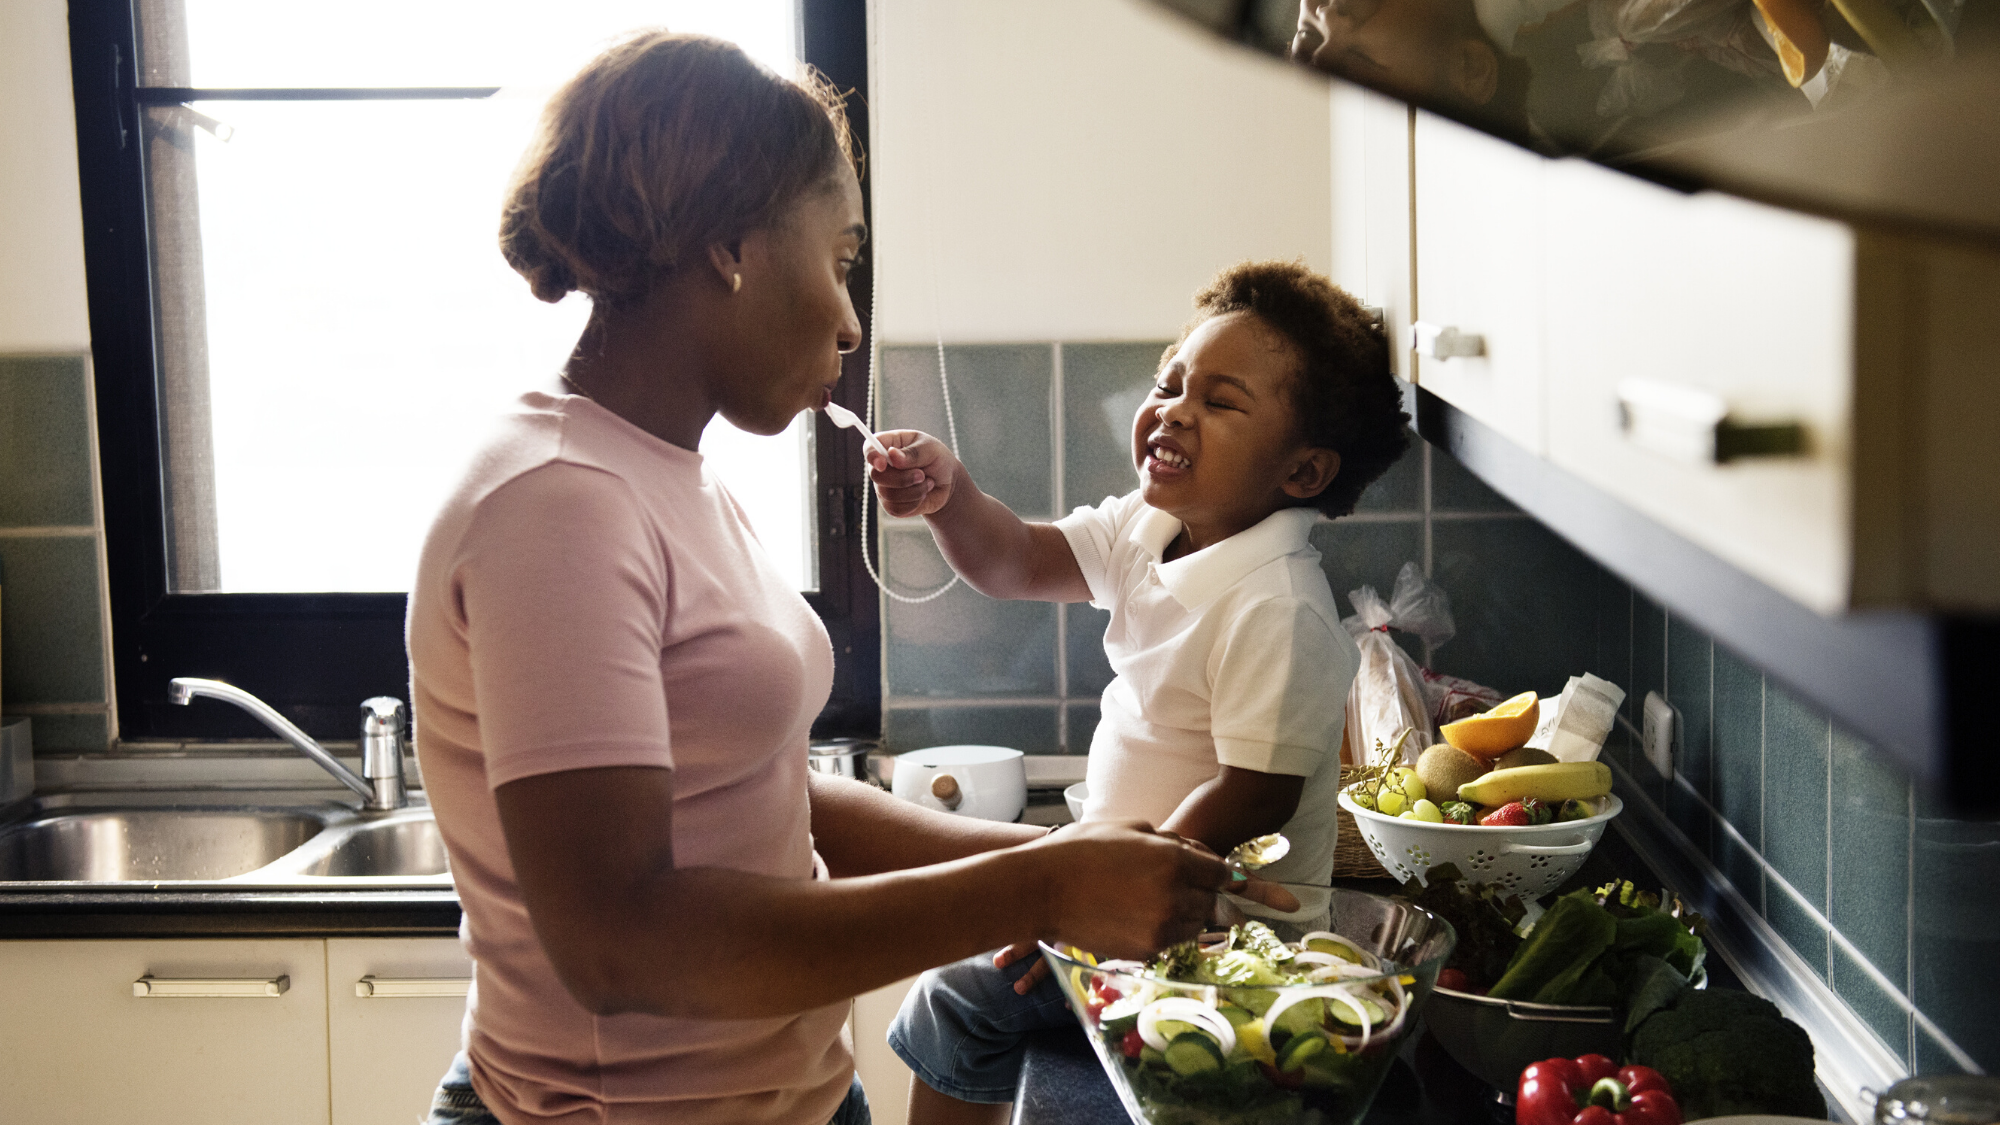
column 1237, row 1033
column 1529, row 860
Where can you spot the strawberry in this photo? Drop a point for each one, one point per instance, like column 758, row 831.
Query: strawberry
column 1513, row 814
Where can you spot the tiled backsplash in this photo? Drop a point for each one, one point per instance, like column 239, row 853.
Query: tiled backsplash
column 52, row 629
column 966, row 668
column 1886, row 897
column 1889, row 900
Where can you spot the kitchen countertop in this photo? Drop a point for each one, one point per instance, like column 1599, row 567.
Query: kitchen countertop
column 245, row 913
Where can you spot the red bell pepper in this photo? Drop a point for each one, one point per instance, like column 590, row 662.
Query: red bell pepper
column 1593, row 1090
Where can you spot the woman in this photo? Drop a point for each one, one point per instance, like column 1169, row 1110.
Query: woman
column 614, row 687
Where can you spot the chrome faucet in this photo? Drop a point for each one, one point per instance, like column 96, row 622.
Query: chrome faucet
column 380, row 782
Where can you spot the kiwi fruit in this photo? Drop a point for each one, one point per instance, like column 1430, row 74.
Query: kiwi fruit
column 1523, row 756
column 1443, row 768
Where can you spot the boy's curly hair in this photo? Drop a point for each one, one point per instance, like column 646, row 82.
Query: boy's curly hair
column 1344, row 396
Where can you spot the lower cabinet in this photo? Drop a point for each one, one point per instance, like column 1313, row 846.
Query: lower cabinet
column 394, row 1010
column 217, row 1032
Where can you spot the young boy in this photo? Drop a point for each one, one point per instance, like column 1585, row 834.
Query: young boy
column 1224, row 720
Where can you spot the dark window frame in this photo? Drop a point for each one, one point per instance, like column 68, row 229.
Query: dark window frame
column 315, row 657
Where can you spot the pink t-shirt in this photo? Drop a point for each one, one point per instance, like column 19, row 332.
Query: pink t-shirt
column 591, row 596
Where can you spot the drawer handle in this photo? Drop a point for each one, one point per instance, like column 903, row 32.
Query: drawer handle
column 1694, row 425
column 211, row 987
column 1442, row 341
column 373, row 986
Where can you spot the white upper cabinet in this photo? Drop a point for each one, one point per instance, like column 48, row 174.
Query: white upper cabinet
column 1478, row 332
column 1812, row 402
column 1670, row 314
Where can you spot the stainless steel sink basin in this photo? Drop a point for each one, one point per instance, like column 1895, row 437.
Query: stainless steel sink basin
column 189, row 840
column 149, row 845
column 391, row 848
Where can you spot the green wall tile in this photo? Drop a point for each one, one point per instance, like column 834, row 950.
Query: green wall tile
column 1029, row 729
column 1690, row 664
column 1797, row 757
column 1089, row 671
column 1889, row 1020
column 1103, row 385
column 1738, row 739
column 1611, row 613
column 963, row 644
column 1799, row 929
column 1401, row 487
column 1356, row 554
column 1082, row 725
column 1740, row 866
column 69, row 734
column 1649, row 674
column 44, row 443
column 51, row 635
column 1870, row 830
column 1957, row 918
column 1000, row 399
column 1455, row 489
column 1513, row 586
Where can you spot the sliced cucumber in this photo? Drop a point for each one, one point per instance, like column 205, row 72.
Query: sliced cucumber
column 1323, row 945
column 1306, row 1015
column 1237, row 1017
column 1191, row 1053
column 1341, row 1010
column 1300, row 1048
column 1171, row 1028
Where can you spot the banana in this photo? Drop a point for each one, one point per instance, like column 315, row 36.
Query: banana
column 1560, row 781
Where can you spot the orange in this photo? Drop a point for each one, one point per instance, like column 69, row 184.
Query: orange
column 1799, row 34
column 1497, row 731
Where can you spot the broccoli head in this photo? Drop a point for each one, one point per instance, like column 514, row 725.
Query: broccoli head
column 1726, row 1052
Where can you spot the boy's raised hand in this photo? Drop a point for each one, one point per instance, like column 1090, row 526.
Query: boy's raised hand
column 916, row 478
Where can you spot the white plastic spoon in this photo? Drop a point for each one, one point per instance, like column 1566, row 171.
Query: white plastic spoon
column 842, row 416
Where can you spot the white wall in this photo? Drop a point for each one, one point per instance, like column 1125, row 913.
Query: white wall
column 42, row 303
column 1075, row 169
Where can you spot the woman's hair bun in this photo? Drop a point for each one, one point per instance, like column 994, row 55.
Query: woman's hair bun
column 662, row 145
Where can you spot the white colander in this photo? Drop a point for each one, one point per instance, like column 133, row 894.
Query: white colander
column 1529, row 861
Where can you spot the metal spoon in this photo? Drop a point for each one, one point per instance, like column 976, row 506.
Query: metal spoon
column 841, row 416
column 1262, row 851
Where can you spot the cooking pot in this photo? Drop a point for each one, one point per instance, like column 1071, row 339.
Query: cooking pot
column 856, row 758
column 985, row 782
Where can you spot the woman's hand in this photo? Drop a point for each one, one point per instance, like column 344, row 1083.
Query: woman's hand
column 916, row 477
column 1119, row 889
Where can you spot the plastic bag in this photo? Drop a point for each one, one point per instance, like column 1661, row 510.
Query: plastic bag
column 1388, row 696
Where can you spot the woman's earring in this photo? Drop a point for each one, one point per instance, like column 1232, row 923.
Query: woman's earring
column 736, row 283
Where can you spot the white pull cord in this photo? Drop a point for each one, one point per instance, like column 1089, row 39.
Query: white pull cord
column 868, row 412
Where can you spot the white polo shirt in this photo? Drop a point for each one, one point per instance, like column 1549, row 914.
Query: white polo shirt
column 1232, row 655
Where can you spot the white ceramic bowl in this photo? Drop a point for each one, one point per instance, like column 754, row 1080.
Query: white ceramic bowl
column 1529, row 861
column 992, row 781
column 1075, row 796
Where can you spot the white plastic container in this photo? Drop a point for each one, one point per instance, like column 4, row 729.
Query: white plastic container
column 1528, row 861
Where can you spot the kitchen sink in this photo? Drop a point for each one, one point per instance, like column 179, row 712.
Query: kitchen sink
column 392, row 849
column 151, row 845
column 188, row 840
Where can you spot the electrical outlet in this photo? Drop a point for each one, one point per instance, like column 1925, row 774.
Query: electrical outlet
column 1659, row 732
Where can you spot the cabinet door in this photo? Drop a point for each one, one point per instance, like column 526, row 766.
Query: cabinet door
column 1749, row 306
column 1479, row 270
column 1371, row 209
column 389, row 1047
column 77, row 1047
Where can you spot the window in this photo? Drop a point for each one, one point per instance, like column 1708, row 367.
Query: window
column 302, row 325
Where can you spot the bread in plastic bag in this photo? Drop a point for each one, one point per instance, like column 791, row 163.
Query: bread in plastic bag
column 1388, row 695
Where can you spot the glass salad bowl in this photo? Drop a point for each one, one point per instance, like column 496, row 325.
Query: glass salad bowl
column 1270, row 1023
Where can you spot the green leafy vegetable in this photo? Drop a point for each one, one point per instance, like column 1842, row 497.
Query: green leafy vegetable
column 1563, row 946
column 1484, row 921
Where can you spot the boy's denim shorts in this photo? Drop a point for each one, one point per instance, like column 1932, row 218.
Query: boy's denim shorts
column 962, row 1025
column 455, row 1103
